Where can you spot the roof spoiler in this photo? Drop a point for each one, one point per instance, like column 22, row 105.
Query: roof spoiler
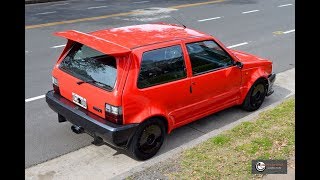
column 94, row 42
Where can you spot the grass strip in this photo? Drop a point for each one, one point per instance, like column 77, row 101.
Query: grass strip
column 229, row 155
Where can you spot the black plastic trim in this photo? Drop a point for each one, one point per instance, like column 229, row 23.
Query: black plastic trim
column 113, row 134
column 271, row 80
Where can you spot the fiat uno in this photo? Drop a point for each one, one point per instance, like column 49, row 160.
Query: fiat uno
column 130, row 86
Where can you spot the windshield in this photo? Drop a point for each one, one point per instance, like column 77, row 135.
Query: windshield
column 90, row 65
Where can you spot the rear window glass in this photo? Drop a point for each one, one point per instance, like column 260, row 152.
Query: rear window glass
column 88, row 64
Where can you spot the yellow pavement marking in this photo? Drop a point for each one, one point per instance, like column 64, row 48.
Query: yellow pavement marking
column 113, row 15
column 195, row 4
column 278, row 32
column 79, row 20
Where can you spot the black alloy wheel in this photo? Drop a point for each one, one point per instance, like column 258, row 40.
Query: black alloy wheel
column 255, row 96
column 258, row 95
column 148, row 139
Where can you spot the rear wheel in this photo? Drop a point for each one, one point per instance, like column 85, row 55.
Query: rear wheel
column 148, row 139
column 255, row 96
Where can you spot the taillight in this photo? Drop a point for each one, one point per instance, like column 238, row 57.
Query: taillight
column 55, row 85
column 114, row 113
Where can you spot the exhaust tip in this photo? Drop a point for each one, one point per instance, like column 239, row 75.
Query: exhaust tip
column 77, row 129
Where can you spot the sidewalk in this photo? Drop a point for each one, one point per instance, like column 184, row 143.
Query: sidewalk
column 289, row 176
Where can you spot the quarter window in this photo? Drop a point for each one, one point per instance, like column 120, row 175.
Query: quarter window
column 206, row 56
column 161, row 66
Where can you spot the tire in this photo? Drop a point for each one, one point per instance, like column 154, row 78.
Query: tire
column 255, row 96
column 148, row 139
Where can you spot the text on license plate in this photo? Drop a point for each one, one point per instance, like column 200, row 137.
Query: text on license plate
column 79, row 100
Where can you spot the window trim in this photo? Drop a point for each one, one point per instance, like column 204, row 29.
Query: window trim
column 184, row 63
column 212, row 70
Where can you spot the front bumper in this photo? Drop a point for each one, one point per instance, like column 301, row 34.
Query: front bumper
column 271, row 79
column 113, row 134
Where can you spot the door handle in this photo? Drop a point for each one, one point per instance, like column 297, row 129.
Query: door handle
column 193, row 83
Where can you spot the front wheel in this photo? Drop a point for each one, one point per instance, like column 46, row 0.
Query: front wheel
column 148, row 139
column 255, row 96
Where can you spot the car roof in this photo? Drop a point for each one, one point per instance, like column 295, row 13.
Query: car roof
column 145, row 34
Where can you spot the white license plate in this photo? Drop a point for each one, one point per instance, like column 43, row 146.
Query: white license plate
column 79, row 100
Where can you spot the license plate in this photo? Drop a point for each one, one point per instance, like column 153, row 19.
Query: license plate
column 79, row 100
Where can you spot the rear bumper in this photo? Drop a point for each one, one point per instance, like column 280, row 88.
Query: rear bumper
column 271, row 79
column 113, row 134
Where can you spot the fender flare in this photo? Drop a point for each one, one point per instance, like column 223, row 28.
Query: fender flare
column 255, row 74
column 155, row 113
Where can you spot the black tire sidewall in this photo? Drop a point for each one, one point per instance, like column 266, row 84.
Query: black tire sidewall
column 247, row 103
column 133, row 148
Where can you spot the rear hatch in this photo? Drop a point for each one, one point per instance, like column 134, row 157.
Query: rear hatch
column 91, row 78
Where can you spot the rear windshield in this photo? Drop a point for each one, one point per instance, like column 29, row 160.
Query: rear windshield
column 90, row 65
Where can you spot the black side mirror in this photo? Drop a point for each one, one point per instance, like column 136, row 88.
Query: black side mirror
column 238, row 64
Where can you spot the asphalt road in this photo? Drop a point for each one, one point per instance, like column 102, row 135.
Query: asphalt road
column 264, row 28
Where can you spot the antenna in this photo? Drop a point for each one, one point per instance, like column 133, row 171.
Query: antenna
column 179, row 22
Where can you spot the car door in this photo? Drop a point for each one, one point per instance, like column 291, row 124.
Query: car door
column 162, row 86
column 215, row 81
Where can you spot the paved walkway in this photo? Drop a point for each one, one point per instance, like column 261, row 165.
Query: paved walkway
column 289, row 176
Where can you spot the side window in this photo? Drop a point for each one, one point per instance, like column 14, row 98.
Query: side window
column 206, row 56
column 161, row 66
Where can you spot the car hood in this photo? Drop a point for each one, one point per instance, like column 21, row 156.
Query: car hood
column 247, row 58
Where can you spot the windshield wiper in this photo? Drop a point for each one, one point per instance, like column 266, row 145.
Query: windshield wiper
column 96, row 82
column 89, row 81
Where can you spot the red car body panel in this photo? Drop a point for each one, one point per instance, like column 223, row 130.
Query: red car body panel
column 146, row 34
column 179, row 102
column 95, row 96
column 254, row 67
column 95, row 42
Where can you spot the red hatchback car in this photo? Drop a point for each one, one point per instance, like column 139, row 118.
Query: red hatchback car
column 130, row 86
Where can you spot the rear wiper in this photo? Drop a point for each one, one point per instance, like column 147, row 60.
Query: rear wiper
column 96, row 82
column 89, row 81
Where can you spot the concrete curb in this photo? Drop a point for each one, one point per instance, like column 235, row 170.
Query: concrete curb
column 40, row 1
column 197, row 141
